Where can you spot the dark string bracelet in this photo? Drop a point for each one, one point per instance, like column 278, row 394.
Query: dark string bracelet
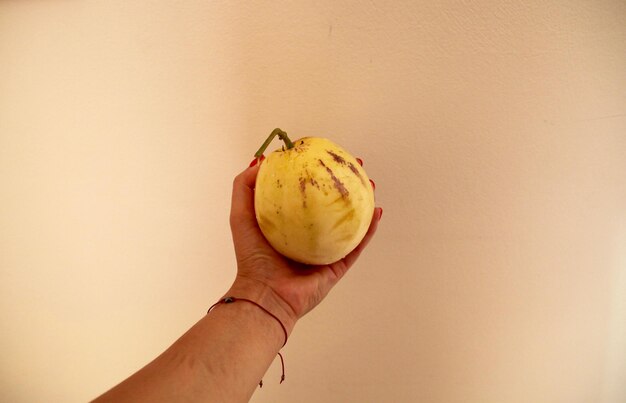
column 230, row 300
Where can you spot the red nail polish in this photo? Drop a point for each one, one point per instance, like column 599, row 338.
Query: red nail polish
column 381, row 213
column 360, row 161
column 373, row 184
column 253, row 163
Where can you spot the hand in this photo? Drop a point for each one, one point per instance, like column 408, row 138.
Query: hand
column 262, row 273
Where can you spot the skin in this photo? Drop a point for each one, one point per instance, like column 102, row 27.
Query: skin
column 225, row 354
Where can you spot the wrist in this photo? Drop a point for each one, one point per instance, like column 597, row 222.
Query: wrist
column 263, row 295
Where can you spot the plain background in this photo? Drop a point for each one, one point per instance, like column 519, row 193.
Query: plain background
column 495, row 132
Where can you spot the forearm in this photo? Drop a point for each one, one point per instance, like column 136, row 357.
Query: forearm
column 221, row 358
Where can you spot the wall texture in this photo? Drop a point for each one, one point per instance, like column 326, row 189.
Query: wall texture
column 495, row 131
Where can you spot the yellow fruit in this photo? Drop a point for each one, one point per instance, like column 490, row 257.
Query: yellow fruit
column 313, row 202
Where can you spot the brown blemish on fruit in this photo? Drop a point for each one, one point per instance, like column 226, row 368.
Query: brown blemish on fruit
column 303, row 191
column 310, row 178
column 300, row 146
column 338, row 159
column 356, row 172
column 338, row 184
column 302, row 185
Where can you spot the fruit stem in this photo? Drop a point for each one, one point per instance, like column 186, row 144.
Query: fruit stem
column 281, row 135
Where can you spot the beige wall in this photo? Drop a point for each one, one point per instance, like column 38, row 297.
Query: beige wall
column 495, row 131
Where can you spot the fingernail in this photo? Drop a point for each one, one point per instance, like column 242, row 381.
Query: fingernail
column 256, row 161
column 360, row 161
column 373, row 184
column 381, row 213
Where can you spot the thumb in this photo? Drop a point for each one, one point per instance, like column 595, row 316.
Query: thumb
column 242, row 202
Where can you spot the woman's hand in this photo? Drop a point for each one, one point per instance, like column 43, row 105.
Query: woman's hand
column 291, row 289
column 223, row 356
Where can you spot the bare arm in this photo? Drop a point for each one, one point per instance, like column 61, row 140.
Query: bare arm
column 223, row 356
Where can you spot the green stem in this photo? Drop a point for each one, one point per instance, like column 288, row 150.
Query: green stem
column 281, row 135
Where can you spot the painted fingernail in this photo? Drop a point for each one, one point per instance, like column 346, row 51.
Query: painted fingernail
column 360, row 161
column 256, row 161
column 381, row 213
column 373, row 184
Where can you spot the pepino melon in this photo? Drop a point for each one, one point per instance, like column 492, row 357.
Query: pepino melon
column 313, row 200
